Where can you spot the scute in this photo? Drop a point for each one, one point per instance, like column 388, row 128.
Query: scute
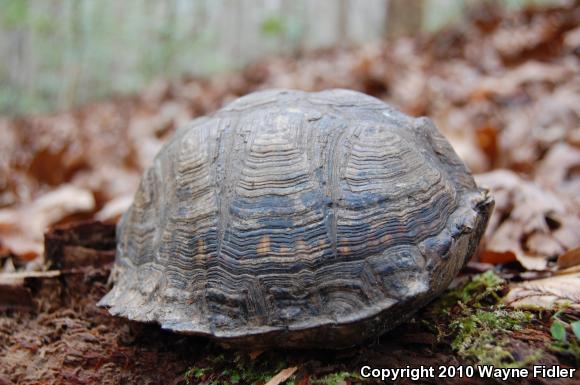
column 296, row 219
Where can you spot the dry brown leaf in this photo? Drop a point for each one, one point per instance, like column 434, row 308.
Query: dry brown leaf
column 560, row 170
column 569, row 258
column 504, row 245
column 491, row 91
column 282, row 376
column 510, row 82
column 113, row 210
column 255, row 354
column 496, row 258
column 469, row 152
column 547, row 293
column 568, row 234
column 18, row 278
column 569, row 270
column 531, row 222
column 22, row 228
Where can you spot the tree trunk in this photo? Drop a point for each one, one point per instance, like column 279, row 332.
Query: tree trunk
column 404, row 17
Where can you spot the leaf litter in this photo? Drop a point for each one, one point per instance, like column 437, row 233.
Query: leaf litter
column 503, row 86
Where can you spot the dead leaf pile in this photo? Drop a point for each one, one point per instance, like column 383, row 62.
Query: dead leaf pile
column 503, row 86
column 531, row 224
column 549, row 293
column 22, row 227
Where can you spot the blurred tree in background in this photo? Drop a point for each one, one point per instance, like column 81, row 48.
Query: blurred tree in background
column 61, row 53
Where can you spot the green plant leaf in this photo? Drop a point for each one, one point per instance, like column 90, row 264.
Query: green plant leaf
column 576, row 329
column 558, row 331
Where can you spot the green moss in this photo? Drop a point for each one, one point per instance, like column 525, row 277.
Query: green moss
column 481, row 336
column 482, row 287
column 236, row 368
column 478, row 326
column 195, row 373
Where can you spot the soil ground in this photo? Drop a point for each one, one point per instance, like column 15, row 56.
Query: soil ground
column 53, row 333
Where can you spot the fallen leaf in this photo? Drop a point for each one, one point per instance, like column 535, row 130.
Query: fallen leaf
column 527, row 73
column 569, row 270
column 22, row 228
column 282, row 376
column 548, row 293
column 532, row 223
column 255, row 354
column 19, row 277
column 496, row 258
column 569, row 258
column 560, row 170
column 516, row 106
column 113, row 210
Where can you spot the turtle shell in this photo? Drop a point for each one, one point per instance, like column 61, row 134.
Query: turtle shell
column 296, row 219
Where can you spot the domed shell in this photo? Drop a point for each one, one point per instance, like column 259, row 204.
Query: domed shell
column 295, row 219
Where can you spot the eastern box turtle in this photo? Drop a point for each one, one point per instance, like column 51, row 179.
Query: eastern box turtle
column 296, row 219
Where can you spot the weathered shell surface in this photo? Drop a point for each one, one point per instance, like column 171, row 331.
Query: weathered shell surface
column 296, row 219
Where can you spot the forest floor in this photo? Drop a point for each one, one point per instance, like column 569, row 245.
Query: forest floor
column 503, row 86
